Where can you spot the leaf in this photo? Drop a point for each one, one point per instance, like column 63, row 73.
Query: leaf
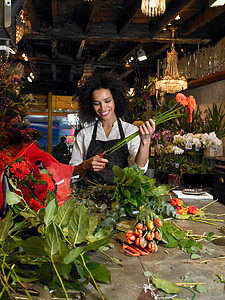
column 34, row 246
column 165, row 285
column 12, row 198
column 196, row 256
column 99, row 272
column 73, row 254
column 78, row 225
column 93, row 222
column 96, row 244
column 51, row 244
column 50, row 212
column 201, row 288
column 100, row 234
column 179, row 235
column 5, row 225
column 65, row 212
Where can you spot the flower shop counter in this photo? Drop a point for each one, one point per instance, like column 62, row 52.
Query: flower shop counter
column 198, row 271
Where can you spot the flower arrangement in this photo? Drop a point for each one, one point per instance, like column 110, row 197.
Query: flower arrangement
column 183, row 210
column 197, row 140
column 14, row 131
column 30, row 182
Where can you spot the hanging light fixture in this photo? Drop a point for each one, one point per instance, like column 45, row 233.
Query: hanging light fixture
column 153, row 8
column 171, row 82
column 141, row 55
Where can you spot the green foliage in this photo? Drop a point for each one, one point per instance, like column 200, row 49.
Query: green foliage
column 215, row 120
column 134, row 189
column 53, row 241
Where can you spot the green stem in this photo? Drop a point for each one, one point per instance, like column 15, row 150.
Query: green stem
column 92, row 278
column 60, row 279
column 198, row 220
column 18, row 280
column 112, row 258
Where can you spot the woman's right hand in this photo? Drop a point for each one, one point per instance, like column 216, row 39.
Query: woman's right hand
column 95, row 163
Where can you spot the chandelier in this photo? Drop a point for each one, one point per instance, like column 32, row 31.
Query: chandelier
column 171, row 82
column 153, row 8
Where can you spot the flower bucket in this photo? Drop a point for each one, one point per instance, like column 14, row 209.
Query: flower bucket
column 173, row 180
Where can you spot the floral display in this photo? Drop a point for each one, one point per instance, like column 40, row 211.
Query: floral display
column 30, row 182
column 183, row 210
column 189, row 103
column 146, row 233
column 198, row 140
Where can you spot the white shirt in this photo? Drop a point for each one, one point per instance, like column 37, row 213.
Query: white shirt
column 83, row 139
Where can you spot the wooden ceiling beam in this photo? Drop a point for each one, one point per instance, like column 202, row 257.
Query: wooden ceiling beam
column 128, row 15
column 80, row 50
column 58, row 8
column 94, row 12
column 200, row 20
column 107, row 51
column 172, row 11
column 74, row 36
column 131, row 52
column 54, row 75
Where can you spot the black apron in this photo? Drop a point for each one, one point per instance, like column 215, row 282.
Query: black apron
column 117, row 158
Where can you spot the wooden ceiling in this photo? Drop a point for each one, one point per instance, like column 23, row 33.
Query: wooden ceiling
column 67, row 33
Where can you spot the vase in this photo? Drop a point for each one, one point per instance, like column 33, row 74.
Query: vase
column 150, row 173
column 173, row 180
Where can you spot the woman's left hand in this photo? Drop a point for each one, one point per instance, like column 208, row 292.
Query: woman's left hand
column 146, row 130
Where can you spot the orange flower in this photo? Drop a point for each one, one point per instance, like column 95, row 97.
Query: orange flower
column 182, row 99
column 176, row 202
column 182, row 210
column 49, row 181
column 191, row 107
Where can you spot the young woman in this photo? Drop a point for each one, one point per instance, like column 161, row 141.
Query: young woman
column 103, row 102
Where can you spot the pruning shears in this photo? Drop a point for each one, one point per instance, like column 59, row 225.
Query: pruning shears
column 132, row 249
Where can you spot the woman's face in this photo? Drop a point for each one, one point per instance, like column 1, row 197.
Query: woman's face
column 103, row 104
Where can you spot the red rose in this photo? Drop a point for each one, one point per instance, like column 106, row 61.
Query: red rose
column 25, row 193
column 35, row 205
column 37, row 173
column 31, row 183
column 41, row 191
column 193, row 210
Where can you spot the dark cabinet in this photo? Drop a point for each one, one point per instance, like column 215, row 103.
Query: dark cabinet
column 219, row 184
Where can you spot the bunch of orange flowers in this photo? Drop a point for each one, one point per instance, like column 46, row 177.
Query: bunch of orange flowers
column 182, row 210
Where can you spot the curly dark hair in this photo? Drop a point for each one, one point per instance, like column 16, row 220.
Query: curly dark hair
column 117, row 88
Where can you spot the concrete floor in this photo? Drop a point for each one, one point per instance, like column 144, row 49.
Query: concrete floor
column 171, row 263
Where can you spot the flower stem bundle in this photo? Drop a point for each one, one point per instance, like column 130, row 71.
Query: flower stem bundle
column 164, row 117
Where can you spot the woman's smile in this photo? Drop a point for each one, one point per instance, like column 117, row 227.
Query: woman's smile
column 103, row 104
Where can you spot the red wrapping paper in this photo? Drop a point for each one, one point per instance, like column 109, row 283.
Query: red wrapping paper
column 61, row 173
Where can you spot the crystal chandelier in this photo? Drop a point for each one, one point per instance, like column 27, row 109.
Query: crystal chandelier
column 171, row 82
column 153, row 8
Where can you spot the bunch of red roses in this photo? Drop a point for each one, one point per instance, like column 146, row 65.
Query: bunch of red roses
column 30, row 182
column 181, row 210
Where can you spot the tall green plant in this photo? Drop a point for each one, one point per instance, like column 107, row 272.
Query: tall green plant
column 215, row 119
column 53, row 243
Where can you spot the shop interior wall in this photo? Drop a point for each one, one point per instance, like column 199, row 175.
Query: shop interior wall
column 209, row 94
